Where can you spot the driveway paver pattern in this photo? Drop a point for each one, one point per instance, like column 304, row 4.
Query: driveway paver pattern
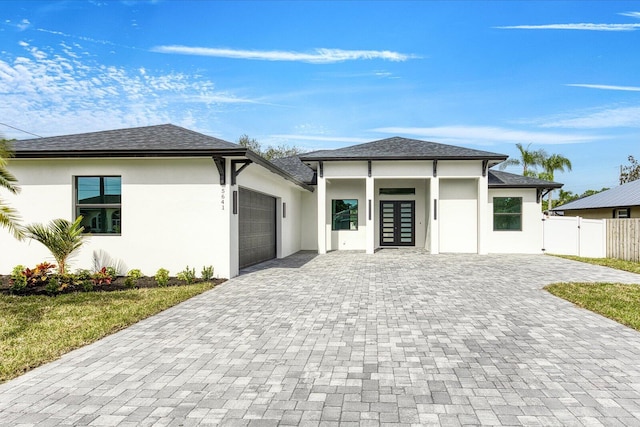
column 400, row 337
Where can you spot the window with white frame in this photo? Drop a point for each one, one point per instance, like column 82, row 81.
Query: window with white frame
column 507, row 213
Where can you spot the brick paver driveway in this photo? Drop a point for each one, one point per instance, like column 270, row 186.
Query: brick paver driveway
column 398, row 337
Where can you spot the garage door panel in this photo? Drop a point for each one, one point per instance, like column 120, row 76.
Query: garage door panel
column 257, row 227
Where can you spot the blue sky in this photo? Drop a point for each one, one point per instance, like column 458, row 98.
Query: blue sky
column 562, row 76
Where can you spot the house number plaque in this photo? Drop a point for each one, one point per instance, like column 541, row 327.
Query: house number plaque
column 222, row 196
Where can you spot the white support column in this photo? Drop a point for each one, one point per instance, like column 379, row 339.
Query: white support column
column 321, row 189
column 370, row 216
column 435, row 214
column 483, row 214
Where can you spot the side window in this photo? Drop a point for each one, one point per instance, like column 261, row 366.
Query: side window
column 99, row 200
column 507, row 213
column 344, row 214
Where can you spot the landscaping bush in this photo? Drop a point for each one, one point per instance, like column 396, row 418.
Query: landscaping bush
column 132, row 278
column 162, row 277
column 207, row 273
column 18, row 279
column 187, row 275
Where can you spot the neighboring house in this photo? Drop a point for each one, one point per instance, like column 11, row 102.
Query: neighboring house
column 165, row 196
column 618, row 202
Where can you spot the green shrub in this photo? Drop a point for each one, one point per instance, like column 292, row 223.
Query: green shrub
column 162, row 277
column 112, row 271
column 132, row 278
column 53, row 286
column 207, row 273
column 187, row 275
column 84, row 280
column 18, row 279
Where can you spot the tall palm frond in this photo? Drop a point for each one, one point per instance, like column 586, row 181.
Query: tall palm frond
column 61, row 237
column 9, row 217
column 529, row 160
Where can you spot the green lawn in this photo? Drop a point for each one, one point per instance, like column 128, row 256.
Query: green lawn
column 618, row 264
column 613, row 300
column 37, row 329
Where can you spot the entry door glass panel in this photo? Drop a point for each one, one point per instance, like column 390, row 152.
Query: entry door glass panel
column 397, row 223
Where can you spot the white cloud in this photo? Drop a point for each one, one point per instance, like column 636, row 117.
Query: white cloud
column 317, row 56
column 607, row 87
column 54, row 92
column 24, row 24
column 486, row 135
column 631, row 14
column 603, row 118
column 580, row 27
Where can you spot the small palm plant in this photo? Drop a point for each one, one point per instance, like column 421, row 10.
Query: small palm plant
column 60, row 236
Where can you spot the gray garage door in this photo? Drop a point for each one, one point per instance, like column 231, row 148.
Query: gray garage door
column 257, row 223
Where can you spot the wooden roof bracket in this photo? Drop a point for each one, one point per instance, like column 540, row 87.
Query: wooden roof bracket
column 221, row 165
column 321, row 168
column 435, row 168
column 369, row 166
column 541, row 193
column 235, row 172
column 485, row 167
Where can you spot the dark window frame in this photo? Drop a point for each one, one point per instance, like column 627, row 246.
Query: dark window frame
column 102, row 205
column 498, row 214
column 352, row 216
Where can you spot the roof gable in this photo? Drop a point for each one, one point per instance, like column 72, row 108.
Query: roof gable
column 397, row 148
column 149, row 138
column 624, row 195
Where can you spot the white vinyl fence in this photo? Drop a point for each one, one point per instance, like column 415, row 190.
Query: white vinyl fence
column 575, row 236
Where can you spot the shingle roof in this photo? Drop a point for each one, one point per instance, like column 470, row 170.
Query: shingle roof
column 294, row 166
column 397, row 148
column 499, row 179
column 624, row 195
column 162, row 140
column 148, row 138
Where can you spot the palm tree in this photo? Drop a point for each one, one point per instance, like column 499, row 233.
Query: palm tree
column 528, row 159
column 550, row 164
column 9, row 218
column 61, row 237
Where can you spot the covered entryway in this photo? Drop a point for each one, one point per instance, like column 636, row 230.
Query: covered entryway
column 257, row 227
column 397, row 223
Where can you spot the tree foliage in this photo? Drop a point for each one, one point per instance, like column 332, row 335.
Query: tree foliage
column 9, row 217
column 61, row 237
column 529, row 160
column 565, row 197
column 269, row 152
column 630, row 172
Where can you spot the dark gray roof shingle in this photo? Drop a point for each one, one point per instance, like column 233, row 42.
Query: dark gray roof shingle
column 160, row 137
column 397, row 148
column 625, row 195
column 499, row 179
column 295, row 167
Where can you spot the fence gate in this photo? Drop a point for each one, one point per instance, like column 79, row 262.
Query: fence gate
column 575, row 236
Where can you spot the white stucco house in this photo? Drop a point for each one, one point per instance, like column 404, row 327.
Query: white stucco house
column 165, row 196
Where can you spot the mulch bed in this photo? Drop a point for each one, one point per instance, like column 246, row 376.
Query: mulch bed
column 116, row 285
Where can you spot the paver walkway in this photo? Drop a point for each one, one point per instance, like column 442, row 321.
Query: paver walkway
column 399, row 337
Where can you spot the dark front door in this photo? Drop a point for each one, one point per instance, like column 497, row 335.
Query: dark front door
column 397, row 223
column 257, row 227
